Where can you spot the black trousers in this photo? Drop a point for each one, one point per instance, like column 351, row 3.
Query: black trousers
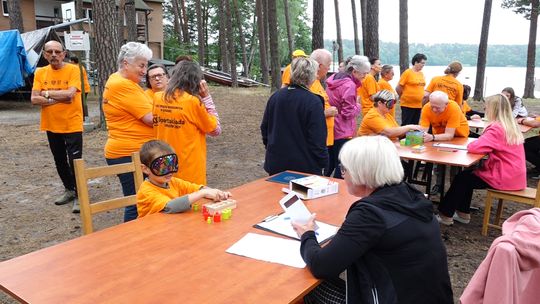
column 532, row 151
column 65, row 147
column 338, row 144
column 460, row 193
column 410, row 116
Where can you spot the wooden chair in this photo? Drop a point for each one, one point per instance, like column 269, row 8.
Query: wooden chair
column 83, row 174
column 529, row 196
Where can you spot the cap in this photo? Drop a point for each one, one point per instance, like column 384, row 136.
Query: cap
column 299, row 53
column 453, row 67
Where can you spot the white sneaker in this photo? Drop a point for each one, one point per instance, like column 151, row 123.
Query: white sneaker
column 65, row 198
column 76, row 208
column 446, row 222
column 460, row 219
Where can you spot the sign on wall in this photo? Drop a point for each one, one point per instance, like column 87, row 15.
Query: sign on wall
column 77, row 41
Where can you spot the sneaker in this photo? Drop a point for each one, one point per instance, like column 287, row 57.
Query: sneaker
column 76, row 208
column 445, row 221
column 460, row 219
column 65, row 198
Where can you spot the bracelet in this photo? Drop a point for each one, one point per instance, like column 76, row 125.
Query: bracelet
column 433, row 135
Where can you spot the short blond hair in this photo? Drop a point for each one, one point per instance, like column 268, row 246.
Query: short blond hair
column 371, row 161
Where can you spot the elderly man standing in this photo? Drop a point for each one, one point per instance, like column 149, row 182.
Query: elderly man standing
column 57, row 89
column 445, row 118
column 293, row 127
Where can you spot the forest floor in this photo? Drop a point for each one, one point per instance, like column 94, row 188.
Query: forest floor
column 29, row 183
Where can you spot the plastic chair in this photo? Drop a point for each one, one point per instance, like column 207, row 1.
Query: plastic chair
column 528, row 196
column 83, row 174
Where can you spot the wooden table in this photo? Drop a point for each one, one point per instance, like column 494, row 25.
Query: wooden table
column 481, row 124
column 176, row 258
column 440, row 156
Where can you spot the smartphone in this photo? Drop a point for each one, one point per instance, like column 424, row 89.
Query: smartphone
column 295, row 208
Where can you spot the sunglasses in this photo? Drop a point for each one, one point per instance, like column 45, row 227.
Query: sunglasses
column 164, row 165
column 50, row 52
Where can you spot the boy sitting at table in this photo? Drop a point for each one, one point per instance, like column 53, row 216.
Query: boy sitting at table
column 161, row 192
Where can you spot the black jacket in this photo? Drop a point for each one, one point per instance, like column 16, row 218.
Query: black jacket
column 294, row 131
column 391, row 247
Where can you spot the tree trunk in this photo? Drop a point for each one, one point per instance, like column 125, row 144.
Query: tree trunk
column 338, row 32
column 131, row 20
column 230, row 44
column 185, row 29
column 200, row 32
column 252, row 44
column 482, row 52
column 531, row 51
column 106, row 46
column 403, row 36
column 274, row 46
column 120, row 14
column 79, row 14
column 317, row 31
column 239, row 23
column 371, row 43
column 363, row 14
column 177, row 20
column 290, row 37
column 15, row 16
column 225, row 67
column 262, row 39
column 205, row 8
column 355, row 27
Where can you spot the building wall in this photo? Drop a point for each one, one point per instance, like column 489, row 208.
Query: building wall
column 27, row 10
column 155, row 28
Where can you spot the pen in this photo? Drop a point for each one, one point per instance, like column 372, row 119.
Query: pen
column 447, row 150
column 269, row 218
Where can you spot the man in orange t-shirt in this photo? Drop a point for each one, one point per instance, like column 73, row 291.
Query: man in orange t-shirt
column 411, row 90
column 445, row 118
column 286, row 76
column 387, row 74
column 369, row 86
column 57, row 89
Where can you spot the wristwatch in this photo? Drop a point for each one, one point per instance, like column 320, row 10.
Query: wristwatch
column 46, row 95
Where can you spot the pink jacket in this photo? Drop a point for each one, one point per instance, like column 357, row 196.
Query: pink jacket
column 510, row 273
column 505, row 167
column 342, row 95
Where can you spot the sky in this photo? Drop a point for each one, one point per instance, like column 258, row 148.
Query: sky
column 433, row 21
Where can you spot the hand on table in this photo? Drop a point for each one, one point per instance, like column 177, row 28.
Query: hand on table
column 216, row 194
column 302, row 228
column 476, row 117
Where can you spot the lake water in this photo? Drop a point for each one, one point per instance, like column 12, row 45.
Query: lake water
column 496, row 78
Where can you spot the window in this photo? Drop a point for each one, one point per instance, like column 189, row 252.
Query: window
column 88, row 14
column 5, row 8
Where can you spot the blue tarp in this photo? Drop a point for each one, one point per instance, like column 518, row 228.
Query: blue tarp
column 14, row 65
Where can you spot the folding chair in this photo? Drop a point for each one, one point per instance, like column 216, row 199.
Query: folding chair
column 528, row 196
column 83, row 174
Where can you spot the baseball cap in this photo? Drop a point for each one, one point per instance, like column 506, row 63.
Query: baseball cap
column 299, row 53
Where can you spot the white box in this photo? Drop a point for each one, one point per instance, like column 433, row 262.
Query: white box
column 313, row 186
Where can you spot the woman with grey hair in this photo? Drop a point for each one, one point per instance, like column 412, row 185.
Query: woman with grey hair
column 389, row 248
column 293, row 128
column 128, row 112
column 181, row 119
column 342, row 92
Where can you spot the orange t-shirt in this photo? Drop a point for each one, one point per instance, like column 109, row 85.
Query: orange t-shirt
column 451, row 117
column 85, row 78
column 183, row 123
column 60, row 117
column 465, row 108
column 369, row 87
column 374, row 123
column 450, row 85
column 385, row 85
column 318, row 89
column 286, row 76
column 150, row 94
column 152, row 198
column 413, row 84
column 124, row 105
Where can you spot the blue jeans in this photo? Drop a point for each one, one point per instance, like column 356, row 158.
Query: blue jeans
column 128, row 186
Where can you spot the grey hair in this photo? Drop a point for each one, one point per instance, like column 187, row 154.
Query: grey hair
column 371, row 161
column 303, row 71
column 386, row 69
column 321, row 55
column 131, row 50
column 439, row 95
column 384, row 96
column 359, row 63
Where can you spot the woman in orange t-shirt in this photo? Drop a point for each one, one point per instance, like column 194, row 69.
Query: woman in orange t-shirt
column 183, row 114
column 128, row 112
column 411, row 90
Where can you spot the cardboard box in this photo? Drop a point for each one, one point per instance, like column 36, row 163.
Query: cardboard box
column 313, row 186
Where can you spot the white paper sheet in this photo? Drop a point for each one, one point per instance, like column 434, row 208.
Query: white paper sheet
column 282, row 225
column 269, row 249
column 450, row 146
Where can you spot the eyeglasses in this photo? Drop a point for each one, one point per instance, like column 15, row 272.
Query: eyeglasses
column 342, row 169
column 164, row 165
column 50, row 52
column 156, row 76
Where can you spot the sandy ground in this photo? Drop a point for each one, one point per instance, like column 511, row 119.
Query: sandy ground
column 29, row 183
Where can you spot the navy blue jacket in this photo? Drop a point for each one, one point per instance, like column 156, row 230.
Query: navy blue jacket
column 294, row 131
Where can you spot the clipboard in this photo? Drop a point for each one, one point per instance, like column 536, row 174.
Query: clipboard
column 285, row 176
column 281, row 224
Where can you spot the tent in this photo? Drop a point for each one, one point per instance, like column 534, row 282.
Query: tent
column 14, row 65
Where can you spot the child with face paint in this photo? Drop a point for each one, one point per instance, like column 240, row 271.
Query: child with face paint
column 161, row 192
